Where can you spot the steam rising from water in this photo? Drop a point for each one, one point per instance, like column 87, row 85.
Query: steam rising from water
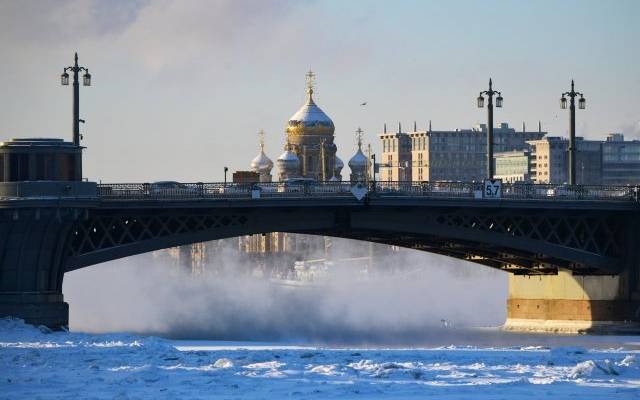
column 149, row 295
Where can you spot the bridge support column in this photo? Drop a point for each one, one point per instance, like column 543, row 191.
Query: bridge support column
column 32, row 259
column 37, row 309
column 566, row 303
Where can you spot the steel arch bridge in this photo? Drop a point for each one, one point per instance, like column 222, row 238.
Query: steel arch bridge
column 531, row 230
column 520, row 238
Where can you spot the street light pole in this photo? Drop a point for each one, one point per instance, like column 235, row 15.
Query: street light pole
column 490, row 93
column 373, row 162
column 64, row 79
column 572, row 127
column 225, row 176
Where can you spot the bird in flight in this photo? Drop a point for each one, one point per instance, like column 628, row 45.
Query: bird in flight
column 364, row 104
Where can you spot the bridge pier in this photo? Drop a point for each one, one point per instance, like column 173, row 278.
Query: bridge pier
column 570, row 304
column 38, row 309
column 33, row 250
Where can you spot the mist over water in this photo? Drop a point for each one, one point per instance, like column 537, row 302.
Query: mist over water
column 150, row 295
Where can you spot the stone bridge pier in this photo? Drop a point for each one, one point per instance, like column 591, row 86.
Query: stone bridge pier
column 32, row 263
column 569, row 302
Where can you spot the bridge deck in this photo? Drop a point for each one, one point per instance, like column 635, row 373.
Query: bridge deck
column 277, row 194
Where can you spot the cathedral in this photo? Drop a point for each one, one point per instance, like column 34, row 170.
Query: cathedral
column 309, row 152
column 309, row 148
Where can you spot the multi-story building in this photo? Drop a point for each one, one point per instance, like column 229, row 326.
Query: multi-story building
column 396, row 156
column 620, row 161
column 550, row 160
column 196, row 258
column 513, row 166
column 458, row 155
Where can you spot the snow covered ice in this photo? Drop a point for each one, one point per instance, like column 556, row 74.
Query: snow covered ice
column 38, row 363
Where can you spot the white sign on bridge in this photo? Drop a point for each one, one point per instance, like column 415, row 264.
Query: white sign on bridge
column 492, row 188
column 359, row 191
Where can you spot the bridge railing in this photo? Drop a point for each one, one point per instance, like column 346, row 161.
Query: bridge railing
column 470, row 190
column 180, row 191
column 514, row 191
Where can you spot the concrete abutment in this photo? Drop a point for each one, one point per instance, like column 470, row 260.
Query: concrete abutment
column 570, row 304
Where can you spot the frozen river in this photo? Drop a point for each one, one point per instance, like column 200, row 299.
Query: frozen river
column 453, row 364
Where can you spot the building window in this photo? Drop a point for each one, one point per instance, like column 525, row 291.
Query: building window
column 44, row 167
column 18, row 167
column 66, row 167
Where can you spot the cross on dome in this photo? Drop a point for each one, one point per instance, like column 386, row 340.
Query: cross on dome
column 359, row 133
column 261, row 137
column 311, row 77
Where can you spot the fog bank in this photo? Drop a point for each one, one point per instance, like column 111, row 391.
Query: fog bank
column 144, row 294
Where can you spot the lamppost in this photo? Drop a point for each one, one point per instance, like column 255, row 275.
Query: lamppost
column 373, row 164
column 225, row 176
column 86, row 81
column 490, row 93
column 572, row 127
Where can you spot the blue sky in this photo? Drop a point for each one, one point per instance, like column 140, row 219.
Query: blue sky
column 182, row 87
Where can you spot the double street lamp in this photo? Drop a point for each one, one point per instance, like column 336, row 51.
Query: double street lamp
column 86, row 81
column 572, row 126
column 490, row 93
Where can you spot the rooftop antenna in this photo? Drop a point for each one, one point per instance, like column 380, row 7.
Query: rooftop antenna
column 399, row 127
column 429, row 125
column 523, row 127
column 539, row 126
column 385, row 127
column 415, row 126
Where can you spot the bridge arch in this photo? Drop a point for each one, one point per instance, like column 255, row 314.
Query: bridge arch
column 521, row 240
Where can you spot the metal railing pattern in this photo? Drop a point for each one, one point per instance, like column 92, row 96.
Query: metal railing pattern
column 469, row 190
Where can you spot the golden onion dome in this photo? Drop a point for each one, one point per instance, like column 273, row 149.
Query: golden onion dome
column 310, row 119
